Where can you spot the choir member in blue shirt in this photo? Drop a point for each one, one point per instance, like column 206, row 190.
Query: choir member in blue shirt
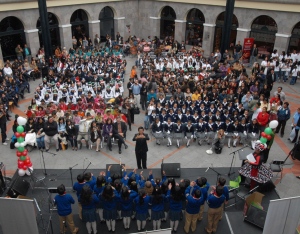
column 126, row 198
column 89, row 201
column 64, row 201
column 141, row 207
column 78, row 188
column 215, row 202
column 157, row 201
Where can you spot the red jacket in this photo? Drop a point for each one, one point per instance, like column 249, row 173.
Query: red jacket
column 263, row 119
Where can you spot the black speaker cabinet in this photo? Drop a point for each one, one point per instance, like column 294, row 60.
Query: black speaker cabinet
column 116, row 169
column 18, row 187
column 256, row 216
column 171, row 169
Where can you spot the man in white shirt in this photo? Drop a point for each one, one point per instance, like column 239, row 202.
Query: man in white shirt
column 281, row 93
column 256, row 110
column 7, row 71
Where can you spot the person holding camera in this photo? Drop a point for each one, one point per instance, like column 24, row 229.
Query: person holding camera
column 64, row 201
column 219, row 140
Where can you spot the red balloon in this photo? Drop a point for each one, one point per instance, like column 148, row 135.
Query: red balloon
column 25, row 167
column 19, row 154
column 24, row 153
column 20, row 167
column 17, row 134
column 263, row 134
column 27, row 158
column 269, row 137
column 27, row 161
column 23, row 134
column 20, row 164
column 30, row 164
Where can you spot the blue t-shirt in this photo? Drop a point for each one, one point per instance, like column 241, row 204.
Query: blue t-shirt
column 193, row 204
column 78, row 188
column 215, row 202
column 63, row 203
column 142, row 208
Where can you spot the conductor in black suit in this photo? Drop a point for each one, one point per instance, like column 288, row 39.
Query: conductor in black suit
column 141, row 148
column 119, row 132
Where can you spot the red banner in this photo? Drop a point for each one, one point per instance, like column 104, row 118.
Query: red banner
column 248, row 44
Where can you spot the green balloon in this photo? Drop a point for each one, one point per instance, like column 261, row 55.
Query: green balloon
column 21, row 149
column 268, row 131
column 263, row 140
column 20, row 129
column 23, row 158
column 20, row 139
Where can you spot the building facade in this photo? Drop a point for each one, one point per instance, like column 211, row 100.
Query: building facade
column 274, row 24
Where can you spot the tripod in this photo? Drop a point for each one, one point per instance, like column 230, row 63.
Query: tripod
column 233, row 157
column 44, row 166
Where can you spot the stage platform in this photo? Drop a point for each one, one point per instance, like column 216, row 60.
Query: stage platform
column 232, row 221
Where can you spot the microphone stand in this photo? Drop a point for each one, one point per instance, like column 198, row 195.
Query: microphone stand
column 87, row 167
column 44, row 166
column 218, row 174
column 233, row 157
column 70, row 168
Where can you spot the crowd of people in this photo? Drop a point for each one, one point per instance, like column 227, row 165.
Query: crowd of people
column 134, row 196
column 183, row 94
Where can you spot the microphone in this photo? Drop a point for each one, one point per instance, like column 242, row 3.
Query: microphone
column 207, row 169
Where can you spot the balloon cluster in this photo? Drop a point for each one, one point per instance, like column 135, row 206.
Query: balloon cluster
column 24, row 161
column 266, row 135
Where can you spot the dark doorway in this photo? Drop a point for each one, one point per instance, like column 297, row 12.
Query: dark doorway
column 80, row 25
column 167, row 22
column 194, row 27
column 107, row 26
column 295, row 38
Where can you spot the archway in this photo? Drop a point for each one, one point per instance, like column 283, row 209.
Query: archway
column 54, row 31
column 167, row 22
column 263, row 30
column 80, row 25
column 106, row 18
column 295, row 38
column 194, row 27
column 219, row 28
column 11, row 35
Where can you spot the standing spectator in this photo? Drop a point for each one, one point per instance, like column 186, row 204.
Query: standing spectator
column 19, row 52
column 3, row 120
column 194, row 201
column 215, row 202
column 88, row 201
column 294, row 71
column 281, row 93
column 97, row 41
column 141, row 148
column 51, row 133
column 270, row 79
column 253, row 55
column 263, row 119
column 136, row 90
column 238, row 51
column 296, row 124
column 63, row 201
column 40, row 135
column 27, row 53
column 283, row 115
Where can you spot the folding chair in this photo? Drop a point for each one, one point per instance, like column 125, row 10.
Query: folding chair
column 277, row 166
column 234, row 186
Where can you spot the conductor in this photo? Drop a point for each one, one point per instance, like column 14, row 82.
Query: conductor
column 141, row 148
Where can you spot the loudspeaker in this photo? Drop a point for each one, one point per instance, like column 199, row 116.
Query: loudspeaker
column 256, row 216
column 116, row 169
column 171, row 169
column 18, row 187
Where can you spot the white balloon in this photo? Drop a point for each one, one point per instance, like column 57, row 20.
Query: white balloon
column 273, row 124
column 21, row 172
column 17, row 144
column 27, row 172
column 23, row 144
column 21, row 120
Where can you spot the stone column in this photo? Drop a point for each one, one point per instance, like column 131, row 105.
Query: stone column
column 94, row 28
column 119, row 25
column 180, row 27
column 65, row 32
column 242, row 33
column 32, row 40
column 154, row 29
column 208, row 38
column 1, row 55
column 281, row 42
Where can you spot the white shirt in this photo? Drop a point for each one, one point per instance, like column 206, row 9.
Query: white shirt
column 7, row 71
column 255, row 113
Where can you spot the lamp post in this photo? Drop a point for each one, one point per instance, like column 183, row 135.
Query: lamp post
column 227, row 25
column 45, row 28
